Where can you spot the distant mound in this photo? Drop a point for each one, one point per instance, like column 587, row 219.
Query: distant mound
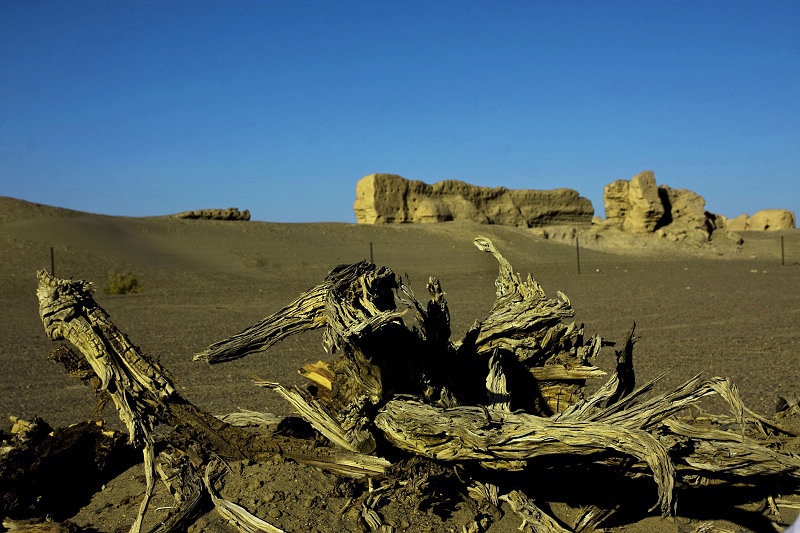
column 231, row 213
column 389, row 198
column 12, row 209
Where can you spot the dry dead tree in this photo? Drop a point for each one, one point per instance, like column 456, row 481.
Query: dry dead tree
column 69, row 312
column 511, row 390
column 145, row 395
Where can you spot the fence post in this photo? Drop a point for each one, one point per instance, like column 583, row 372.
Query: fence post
column 782, row 256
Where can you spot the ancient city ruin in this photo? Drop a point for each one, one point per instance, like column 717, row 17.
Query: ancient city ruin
column 635, row 206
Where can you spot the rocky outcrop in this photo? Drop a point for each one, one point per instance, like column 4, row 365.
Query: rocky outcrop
column 215, row 214
column 764, row 220
column 388, row 198
column 634, row 206
column 739, row 223
column 685, row 216
column 640, row 206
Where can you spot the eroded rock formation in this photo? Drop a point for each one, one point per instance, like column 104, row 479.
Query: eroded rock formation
column 635, row 205
column 764, row 220
column 639, row 205
column 389, row 198
column 231, row 213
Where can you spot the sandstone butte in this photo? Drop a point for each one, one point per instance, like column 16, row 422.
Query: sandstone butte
column 389, row 198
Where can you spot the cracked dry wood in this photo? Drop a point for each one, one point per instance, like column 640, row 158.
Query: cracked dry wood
column 531, row 330
column 379, row 357
column 304, row 313
column 141, row 390
column 531, row 514
column 511, row 390
column 479, row 434
column 144, row 392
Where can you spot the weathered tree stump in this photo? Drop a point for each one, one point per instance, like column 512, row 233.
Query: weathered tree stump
column 510, row 391
column 145, row 395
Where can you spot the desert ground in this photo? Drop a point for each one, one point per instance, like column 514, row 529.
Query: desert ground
column 723, row 311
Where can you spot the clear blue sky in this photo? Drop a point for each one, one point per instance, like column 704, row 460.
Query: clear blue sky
column 146, row 108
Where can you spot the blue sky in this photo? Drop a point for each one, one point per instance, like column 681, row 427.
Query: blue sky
column 145, row 108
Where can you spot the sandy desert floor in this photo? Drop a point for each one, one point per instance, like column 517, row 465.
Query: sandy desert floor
column 720, row 311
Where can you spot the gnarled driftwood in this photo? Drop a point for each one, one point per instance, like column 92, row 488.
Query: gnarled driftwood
column 510, row 391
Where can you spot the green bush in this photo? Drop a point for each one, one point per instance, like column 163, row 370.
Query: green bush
column 122, row 283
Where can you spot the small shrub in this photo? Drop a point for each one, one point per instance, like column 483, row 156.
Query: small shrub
column 122, row 283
